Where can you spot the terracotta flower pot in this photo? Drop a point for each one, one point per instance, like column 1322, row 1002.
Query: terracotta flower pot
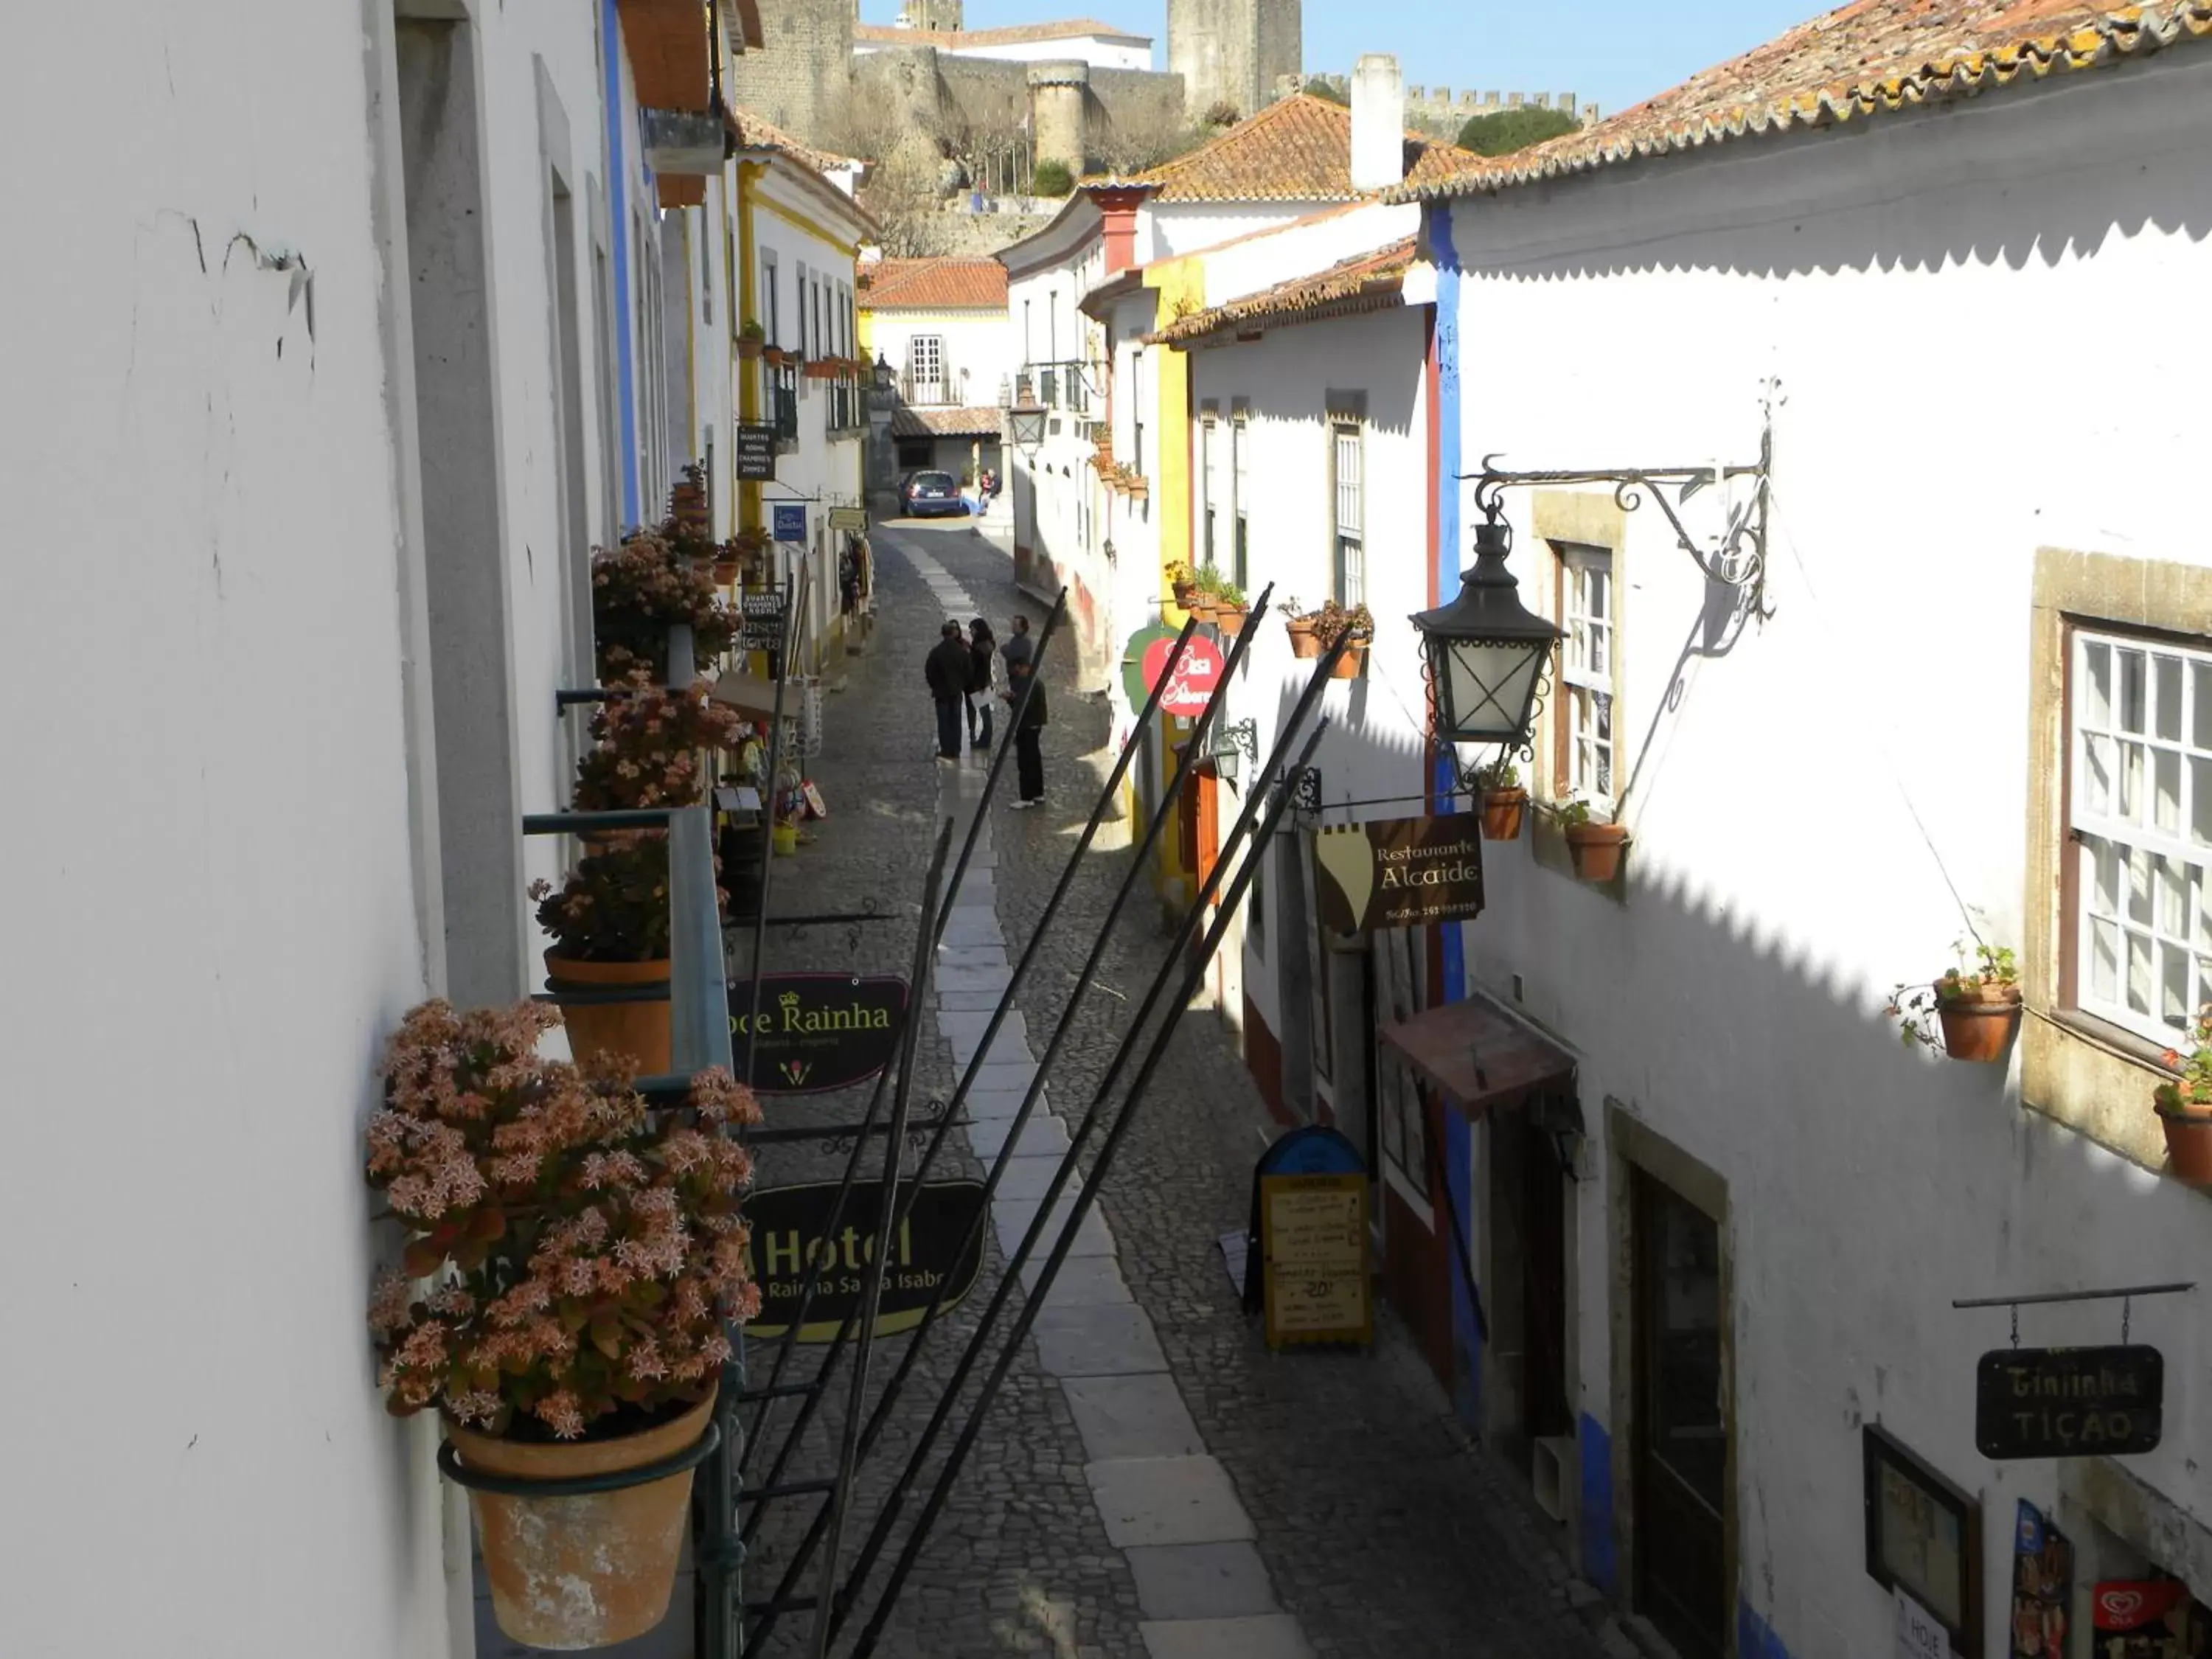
column 1978, row 1027
column 1597, row 850
column 1201, row 605
column 1502, row 811
column 749, row 348
column 1304, row 642
column 1349, row 664
column 1183, row 591
column 639, row 1029
column 1229, row 619
column 726, row 572
column 2188, row 1143
column 568, row 1573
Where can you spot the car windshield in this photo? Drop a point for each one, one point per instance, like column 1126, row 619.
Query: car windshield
column 933, row 480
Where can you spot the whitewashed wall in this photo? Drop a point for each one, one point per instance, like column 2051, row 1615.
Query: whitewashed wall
column 1165, row 229
column 1944, row 300
column 980, row 347
column 227, row 859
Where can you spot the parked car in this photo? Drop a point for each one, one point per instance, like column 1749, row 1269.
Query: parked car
column 928, row 495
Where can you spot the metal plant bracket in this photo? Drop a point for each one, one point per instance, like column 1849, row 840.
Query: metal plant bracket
column 1741, row 559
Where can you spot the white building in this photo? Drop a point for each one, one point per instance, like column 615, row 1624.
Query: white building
column 1930, row 262
column 367, row 358
column 1101, row 45
column 941, row 328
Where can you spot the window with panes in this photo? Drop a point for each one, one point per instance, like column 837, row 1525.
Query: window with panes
column 2139, row 806
column 1588, row 719
column 1240, row 486
column 1347, row 473
column 1210, row 488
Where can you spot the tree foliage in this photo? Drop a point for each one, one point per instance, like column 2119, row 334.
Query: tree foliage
column 1052, row 177
column 1508, row 130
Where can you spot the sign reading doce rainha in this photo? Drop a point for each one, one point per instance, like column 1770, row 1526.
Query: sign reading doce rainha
column 1313, row 1234
column 791, row 1230
column 816, row 1031
column 2069, row 1402
column 1398, row 872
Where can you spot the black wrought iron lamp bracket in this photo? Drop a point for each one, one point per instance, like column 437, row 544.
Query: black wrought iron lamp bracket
column 1741, row 560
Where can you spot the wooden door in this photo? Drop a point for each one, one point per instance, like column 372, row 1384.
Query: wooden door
column 1544, row 1407
column 1682, row 1461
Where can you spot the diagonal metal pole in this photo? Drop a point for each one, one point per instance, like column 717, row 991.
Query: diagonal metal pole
column 880, row 1531
column 782, row 661
column 881, row 1413
column 1193, row 975
column 872, row 1295
column 933, row 921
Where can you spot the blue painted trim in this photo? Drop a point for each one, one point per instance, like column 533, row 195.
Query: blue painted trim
column 1600, row 1566
column 1754, row 1636
column 618, row 230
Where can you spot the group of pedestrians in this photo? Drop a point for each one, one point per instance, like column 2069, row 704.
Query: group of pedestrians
column 961, row 668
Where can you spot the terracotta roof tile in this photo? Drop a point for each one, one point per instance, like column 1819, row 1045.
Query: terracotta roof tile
column 946, row 284
column 1297, row 150
column 1366, row 282
column 1020, row 34
column 754, row 133
column 943, row 423
column 1871, row 57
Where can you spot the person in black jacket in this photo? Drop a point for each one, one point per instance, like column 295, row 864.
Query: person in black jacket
column 1028, row 730
column 946, row 669
column 982, row 648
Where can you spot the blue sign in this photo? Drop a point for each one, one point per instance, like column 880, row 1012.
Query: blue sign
column 790, row 521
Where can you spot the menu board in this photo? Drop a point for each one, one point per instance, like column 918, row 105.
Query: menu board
column 2042, row 1586
column 1313, row 1229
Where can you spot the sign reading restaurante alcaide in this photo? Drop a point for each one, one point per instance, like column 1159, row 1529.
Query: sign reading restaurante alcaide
column 816, row 1031
column 1398, row 872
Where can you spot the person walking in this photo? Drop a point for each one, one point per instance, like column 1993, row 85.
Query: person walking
column 946, row 669
column 1026, row 693
column 982, row 654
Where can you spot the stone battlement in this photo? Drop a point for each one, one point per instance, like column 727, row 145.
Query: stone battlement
column 1437, row 106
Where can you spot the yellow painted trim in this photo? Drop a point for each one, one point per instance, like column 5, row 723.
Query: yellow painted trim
column 749, row 378
column 791, row 216
column 1181, row 284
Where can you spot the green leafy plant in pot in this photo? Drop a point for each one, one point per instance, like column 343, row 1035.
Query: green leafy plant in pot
column 1975, row 1006
column 609, row 924
column 1504, row 802
column 570, row 1259
column 2185, row 1105
column 1231, row 608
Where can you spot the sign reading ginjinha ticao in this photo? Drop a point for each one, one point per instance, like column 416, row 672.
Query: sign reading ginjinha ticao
column 791, row 1228
column 2069, row 1402
column 1312, row 1230
column 1399, row 872
column 816, row 1031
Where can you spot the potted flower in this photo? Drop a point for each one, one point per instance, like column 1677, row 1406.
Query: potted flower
column 1305, row 642
column 1596, row 848
column 1357, row 623
column 1976, row 1005
column 774, row 356
column 1205, row 600
column 582, row 1255
column 609, row 924
column 751, row 339
column 646, row 747
column 638, row 590
column 1183, row 581
column 1231, row 608
column 1504, row 800
column 687, row 501
column 2185, row 1107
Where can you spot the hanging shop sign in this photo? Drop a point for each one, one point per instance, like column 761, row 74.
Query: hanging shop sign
column 790, row 521
column 761, row 621
column 1313, row 1237
column 849, row 517
column 1145, row 660
column 816, row 1032
column 2042, row 1586
column 1398, row 872
column 2069, row 1402
column 753, row 454
column 2148, row 1618
column 791, row 1228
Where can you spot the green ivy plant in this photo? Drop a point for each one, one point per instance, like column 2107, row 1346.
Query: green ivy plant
column 1981, row 969
column 1500, row 774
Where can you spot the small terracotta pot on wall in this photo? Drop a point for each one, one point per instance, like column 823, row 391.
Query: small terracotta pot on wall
column 1183, row 591
column 1304, row 642
column 2188, row 1143
column 1978, row 1027
column 1597, row 850
column 571, row 1573
column 1229, row 619
column 1351, row 663
column 640, row 1030
column 1502, row 812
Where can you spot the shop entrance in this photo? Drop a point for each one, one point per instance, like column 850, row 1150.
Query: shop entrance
column 1682, row 1461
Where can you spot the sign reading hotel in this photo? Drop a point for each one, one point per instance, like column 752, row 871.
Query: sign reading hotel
column 1313, row 1235
column 1144, row 661
column 816, row 1031
column 1399, row 872
column 791, row 1230
column 2069, row 1402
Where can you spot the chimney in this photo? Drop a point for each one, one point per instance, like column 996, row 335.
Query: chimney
column 1378, row 123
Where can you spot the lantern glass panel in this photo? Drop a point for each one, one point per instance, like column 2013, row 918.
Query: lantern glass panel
column 1490, row 685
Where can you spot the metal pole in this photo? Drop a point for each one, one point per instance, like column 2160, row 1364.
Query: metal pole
column 871, row 1296
column 951, row 1112
column 1192, row 976
column 880, row 1531
column 2125, row 1291
column 781, row 661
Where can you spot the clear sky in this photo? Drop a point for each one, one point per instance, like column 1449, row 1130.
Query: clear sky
column 1608, row 52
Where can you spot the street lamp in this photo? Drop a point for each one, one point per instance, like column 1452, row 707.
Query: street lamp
column 1485, row 650
column 1025, row 425
column 886, row 376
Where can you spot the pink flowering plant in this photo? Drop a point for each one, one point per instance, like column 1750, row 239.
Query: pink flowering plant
column 640, row 588
column 648, row 744
column 2192, row 1090
column 583, row 1251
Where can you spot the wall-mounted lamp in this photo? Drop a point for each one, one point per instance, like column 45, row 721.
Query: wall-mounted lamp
column 1485, row 651
column 1243, row 735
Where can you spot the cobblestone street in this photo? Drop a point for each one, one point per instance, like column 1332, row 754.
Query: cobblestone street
column 1380, row 1531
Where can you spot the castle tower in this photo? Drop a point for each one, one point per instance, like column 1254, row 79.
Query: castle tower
column 1057, row 92
column 802, row 80
column 1233, row 52
column 939, row 17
